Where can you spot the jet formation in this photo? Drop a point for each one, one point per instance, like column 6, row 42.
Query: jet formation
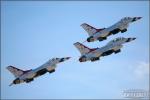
column 87, row 54
column 114, row 46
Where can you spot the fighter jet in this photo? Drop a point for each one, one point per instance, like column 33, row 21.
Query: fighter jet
column 29, row 75
column 102, row 34
column 114, row 46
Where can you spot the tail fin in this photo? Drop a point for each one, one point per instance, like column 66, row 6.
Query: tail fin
column 15, row 71
column 89, row 29
column 83, row 49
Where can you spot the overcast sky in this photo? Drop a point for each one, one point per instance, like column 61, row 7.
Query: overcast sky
column 33, row 32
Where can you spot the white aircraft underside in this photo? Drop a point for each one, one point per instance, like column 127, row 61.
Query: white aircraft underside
column 94, row 54
column 102, row 34
column 29, row 75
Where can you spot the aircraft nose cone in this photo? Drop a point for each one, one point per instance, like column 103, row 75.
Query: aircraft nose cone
column 64, row 59
column 139, row 17
column 68, row 58
column 130, row 39
column 136, row 18
column 133, row 38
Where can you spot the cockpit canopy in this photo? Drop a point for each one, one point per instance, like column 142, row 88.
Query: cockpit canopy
column 126, row 18
column 54, row 59
column 116, row 39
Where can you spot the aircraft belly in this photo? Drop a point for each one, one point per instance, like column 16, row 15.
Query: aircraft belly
column 103, row 33
column 98, row 54
column 123, row 26
column 117, row 47
column 108, row 30
column 50, row 68
column 40, row 72
column 21, row 81
column 95, row 54
column 28, row 76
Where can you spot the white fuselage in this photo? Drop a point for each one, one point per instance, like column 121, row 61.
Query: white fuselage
column 108, row 49
column 100, row 51
column 49, row 66
column 117, row 27
column 31, row 74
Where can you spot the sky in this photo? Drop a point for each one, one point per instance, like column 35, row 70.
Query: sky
column 32, row 32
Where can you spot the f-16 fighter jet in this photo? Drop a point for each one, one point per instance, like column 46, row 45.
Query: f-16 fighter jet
column 114, row 46
column 29, row 75
column 102, row 34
